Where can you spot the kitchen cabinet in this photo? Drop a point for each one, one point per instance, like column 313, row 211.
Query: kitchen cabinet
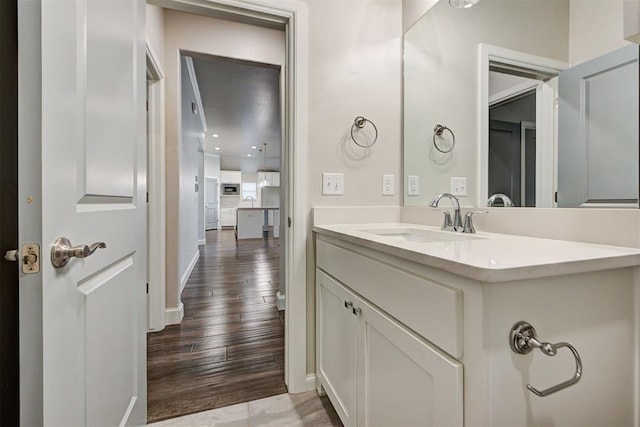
column 378, row 372
column 228, row 217
column 230, row 177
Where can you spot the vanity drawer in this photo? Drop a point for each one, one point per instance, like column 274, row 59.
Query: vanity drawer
column 432, row 310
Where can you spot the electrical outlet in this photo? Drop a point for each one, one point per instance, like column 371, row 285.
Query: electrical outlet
column 332, row 184
column 413, row 185
column 387, row 185
column 459, row 186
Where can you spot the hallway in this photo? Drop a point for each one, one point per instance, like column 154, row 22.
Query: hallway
column 230, row 346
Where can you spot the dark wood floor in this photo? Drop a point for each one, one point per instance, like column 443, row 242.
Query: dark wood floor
column 230, row 346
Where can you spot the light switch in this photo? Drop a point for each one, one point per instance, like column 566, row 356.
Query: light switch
column 459, row 186
column 332, row 184
column 387, row 185
column 412, row 185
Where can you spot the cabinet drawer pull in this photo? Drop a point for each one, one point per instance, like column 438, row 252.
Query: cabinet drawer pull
column 348, row 304
column 356, row 310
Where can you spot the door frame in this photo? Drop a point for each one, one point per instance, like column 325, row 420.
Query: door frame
column 9, row 276
column 217, row 185
column 156, row 192
column 292, row 16
column 534, row 65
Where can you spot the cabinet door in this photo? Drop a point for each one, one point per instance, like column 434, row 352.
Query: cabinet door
column 402, row 379
column 336, row 341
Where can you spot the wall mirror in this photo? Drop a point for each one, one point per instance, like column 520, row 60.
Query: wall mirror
column 541, row 97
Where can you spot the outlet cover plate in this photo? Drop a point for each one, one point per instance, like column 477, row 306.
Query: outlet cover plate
column 387, row 185
column 413, row 182
column 459, row 186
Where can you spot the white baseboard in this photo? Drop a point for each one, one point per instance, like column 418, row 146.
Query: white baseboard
column 202, row 242
column 310, row 382
column 174, row 316
column 187, row 273
column 280, row 301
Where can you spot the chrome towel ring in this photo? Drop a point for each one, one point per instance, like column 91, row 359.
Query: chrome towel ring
column 360, row 123
column 438, row 130
column 523, row 339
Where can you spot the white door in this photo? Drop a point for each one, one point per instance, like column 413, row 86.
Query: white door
column 211, row 203
column 93, row 190
column 336, row 341
column 402, row 379
column 598, row 131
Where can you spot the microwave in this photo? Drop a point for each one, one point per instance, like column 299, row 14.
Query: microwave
column 230, row 189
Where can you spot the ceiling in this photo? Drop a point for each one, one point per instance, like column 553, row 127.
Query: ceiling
column 241, row 102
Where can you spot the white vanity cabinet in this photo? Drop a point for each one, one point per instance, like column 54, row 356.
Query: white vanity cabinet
column 400, row 342
column 378, row 372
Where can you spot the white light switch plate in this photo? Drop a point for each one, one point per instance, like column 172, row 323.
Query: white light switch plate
column 459, row 186
column 413, row 185
column 387, row 185
column 332, row 184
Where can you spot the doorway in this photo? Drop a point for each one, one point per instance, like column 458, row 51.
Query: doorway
column 293, row 182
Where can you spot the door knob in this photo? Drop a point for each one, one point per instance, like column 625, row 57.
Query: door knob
column 62, row 251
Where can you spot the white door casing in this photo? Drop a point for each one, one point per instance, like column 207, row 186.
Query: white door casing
column 93, row 190
column 292, row 14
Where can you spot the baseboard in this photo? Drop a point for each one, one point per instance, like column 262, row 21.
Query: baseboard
column 202, row 242
column 173, row 316
column 187, row 273
column 310, row 382
column 280, row 301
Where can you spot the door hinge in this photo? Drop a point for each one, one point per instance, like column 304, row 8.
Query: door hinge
column 147, row 288
column 289, row 221
column 147, row 197
column 29, row 257
column 555, row 197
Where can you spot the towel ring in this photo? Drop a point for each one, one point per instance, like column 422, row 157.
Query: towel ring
column 360, row 123
column 438, row 130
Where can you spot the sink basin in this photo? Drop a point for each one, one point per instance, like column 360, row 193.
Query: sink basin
column 422, row 236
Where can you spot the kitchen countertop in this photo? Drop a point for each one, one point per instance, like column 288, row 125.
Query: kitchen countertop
column 488, row 257
column 258, row 208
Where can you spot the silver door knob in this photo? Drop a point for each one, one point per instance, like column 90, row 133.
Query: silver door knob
column 62, row 251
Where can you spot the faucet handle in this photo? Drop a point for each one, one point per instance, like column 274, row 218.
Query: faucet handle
column 468, row 221
column 447, row 224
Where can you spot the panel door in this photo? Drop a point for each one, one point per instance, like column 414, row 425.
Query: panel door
column 93, row 190
column 598, row 133
column 336, row 341
column 505, row 159
column 403, row 379
column 211, row 203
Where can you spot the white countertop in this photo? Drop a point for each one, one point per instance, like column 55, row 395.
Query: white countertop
column 490, row 257
column 258, row 208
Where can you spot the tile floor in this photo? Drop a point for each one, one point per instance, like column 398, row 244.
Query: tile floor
column 291, row 410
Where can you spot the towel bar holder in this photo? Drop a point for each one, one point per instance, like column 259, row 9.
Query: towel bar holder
column 523, row 339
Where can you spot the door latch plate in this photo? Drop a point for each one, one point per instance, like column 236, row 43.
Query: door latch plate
column 30, row 258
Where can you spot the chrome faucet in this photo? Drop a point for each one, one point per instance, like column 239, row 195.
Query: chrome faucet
column 456, row 225
column 252, row 199
column 505, row 200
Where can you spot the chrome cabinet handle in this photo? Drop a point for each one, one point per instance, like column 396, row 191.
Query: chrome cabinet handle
column 62, row 251
column 523, row 339
column 356, row 311
column 348, row 304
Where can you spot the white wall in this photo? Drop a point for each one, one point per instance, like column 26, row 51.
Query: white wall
column 355, row 63
column 211, row 166
column 184, row 31
column 191, row 139
column 595, row 28
column 155, row 31
column 201, row 211
column 412, row 10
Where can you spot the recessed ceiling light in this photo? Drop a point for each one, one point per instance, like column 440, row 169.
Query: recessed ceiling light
column 248, row 155
column 215, row 135
column 253, row 147
column 216, row 148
